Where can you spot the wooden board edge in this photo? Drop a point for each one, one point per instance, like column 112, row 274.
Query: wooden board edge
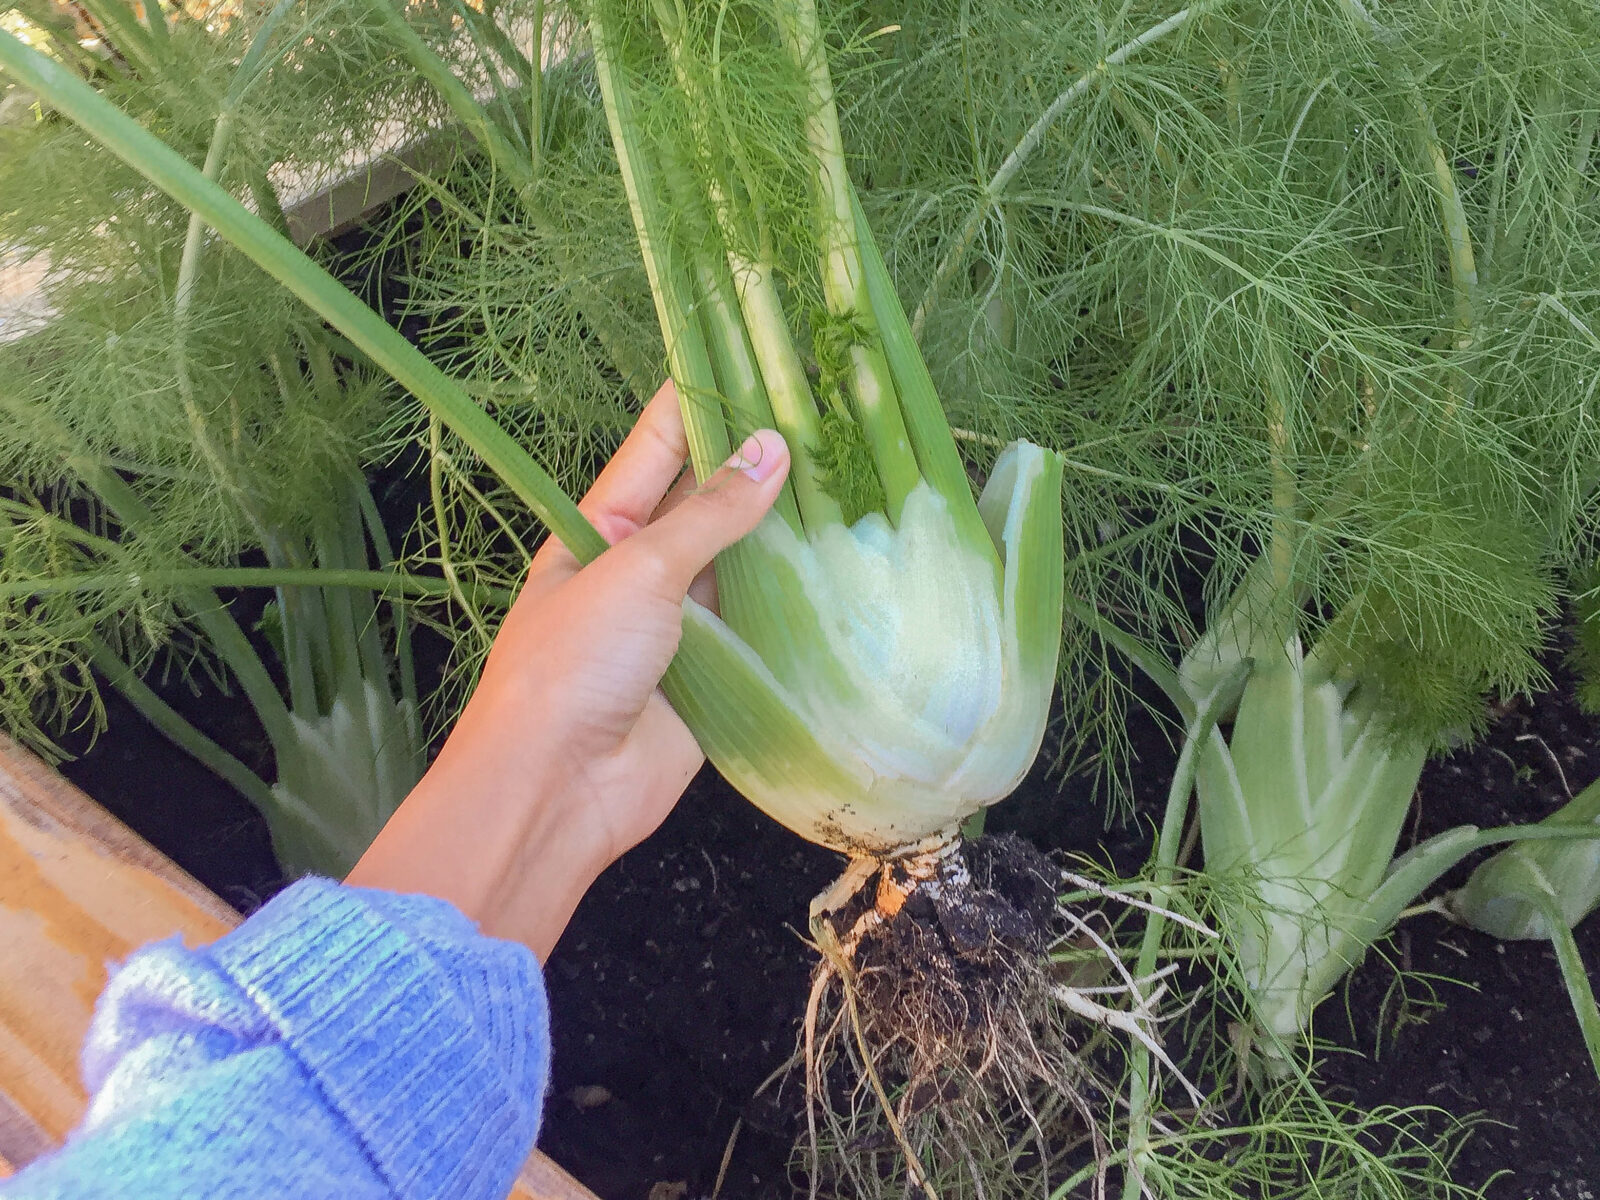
column 21, row 1138
column 541, row 1178
column 48, row 795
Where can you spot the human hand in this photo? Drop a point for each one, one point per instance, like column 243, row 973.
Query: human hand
column 568, row 754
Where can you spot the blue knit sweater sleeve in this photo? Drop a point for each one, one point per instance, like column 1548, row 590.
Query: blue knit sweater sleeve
column 340, row 1043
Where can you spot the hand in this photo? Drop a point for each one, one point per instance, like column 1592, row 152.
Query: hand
column 568, row 754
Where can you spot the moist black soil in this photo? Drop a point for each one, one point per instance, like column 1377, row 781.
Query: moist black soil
column 936, row 976
column 1477, row 1026
column 679, row 987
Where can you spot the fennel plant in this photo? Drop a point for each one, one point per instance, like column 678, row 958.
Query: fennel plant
column 169, row 424
column 895, row 641
column 973, row 729
column 1303, row 295
column 1324, row 293
column 1300, row 299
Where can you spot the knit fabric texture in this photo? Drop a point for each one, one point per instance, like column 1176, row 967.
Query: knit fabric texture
column 341, row 1042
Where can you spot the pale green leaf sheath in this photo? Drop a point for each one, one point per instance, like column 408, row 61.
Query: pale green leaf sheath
column 1499, row 897
column 882, row 687
column 1304, row 805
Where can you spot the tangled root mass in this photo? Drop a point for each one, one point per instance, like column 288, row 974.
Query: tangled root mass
column 936, row 1040
column 961, row 960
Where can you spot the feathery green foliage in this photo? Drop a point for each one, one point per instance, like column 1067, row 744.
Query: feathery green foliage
column 1219, row 283
column 1216, row 280
column 195, row 418
column 1585, row 654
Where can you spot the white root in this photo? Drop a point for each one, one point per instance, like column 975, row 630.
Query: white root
column 1100, row 889
column 1138, row 1020
column 843, row 889
column 1137, row 1017
column 1134, row 1022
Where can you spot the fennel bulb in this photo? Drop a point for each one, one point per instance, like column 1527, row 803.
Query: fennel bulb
column 1304, row 803
column 340, row 776
column 923, row 679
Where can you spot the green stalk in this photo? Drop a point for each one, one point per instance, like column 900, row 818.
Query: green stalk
column 336, row 613
column 1534, row 891
column 1414, row 872
column 441, row 521
column 172, row 725
column 304, row 637
column 1201, row 729
column 714, row 323
column 279, row 258
column 733, row 358
column 387, row 582
column 535, row 91
column 341, row 544
column 189, row 267
column 128, row 37
column 688, row 358
column 194, row 235
column 267, row 202
column 1284, row 487
column 1149, row 661
column 844, row 282
column 490, row 42
column 1573, row 973
column 462, row 103
column 787, row 391
column 938, row 460
column 1452, row 214
column 384, row 550
column 525, row 68
column 248, row 71
column 157, row 21
column 794, row 410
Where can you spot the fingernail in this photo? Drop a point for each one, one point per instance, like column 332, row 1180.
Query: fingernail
column 759, row 456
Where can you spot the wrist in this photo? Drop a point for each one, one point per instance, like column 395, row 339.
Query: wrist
column 493, row 828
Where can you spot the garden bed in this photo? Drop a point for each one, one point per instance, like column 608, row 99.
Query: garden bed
column 1150, row 260
column 677, row 989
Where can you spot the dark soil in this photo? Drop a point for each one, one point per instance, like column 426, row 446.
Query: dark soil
column 1485, row 1027
column 677, row 989
column 680, row 983
column 679, row 986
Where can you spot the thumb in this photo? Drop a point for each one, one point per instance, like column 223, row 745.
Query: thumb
column 679, row 545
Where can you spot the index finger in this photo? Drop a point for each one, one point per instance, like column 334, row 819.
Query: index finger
column 633, row 483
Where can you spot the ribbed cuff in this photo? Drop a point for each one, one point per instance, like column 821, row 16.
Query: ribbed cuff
column 429, row 1038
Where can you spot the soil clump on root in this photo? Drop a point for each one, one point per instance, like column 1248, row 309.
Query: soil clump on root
column 956, row 964
column 936, row 1037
